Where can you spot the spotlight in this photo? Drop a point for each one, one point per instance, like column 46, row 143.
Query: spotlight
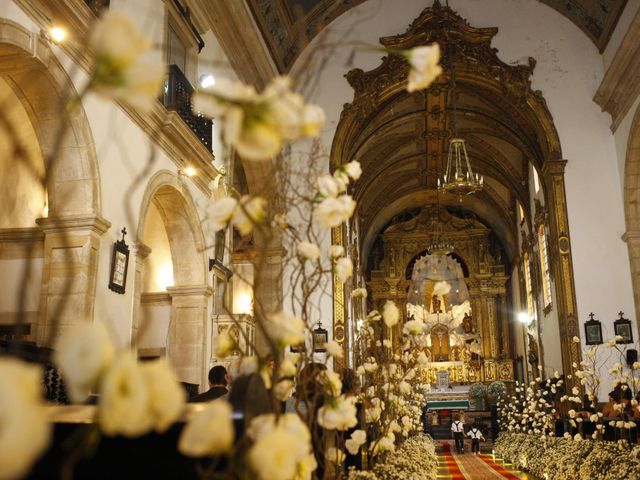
column 207, row 80
column 523, row 317
column 189, row 171
column 57, row 34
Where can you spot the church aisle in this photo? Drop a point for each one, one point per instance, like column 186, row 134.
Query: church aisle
column 473, row 467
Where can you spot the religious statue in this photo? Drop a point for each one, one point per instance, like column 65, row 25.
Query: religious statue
column 440, row 343
column 533, row 351
column 435, row 303
column 467, row 325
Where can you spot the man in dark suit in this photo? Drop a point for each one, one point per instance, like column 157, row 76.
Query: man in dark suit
column 218, row 380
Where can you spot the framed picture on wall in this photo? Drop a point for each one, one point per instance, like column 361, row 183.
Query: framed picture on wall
column 622, row 328
column 119, row 265
column 593, row 331
column 320, row 336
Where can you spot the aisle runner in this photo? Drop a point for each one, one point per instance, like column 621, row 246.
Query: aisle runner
column 471, row 467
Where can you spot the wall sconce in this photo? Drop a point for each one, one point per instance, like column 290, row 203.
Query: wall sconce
column 57, row 34
column 244, row 304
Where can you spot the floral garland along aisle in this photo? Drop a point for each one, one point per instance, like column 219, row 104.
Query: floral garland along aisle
column 137, row 398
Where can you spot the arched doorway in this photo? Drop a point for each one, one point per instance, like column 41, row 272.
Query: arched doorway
column 171, row 290
column 50, row 237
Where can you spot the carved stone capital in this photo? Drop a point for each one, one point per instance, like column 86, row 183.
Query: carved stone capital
column 95, row 223
column 553, row 167
column 190, row 291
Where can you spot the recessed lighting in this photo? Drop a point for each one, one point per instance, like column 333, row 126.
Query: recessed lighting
column 207, row 80
column 57, row 34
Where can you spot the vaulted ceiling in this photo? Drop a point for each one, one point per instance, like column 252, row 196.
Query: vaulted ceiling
column 289, row 25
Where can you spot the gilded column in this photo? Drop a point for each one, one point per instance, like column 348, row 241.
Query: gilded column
column 339, row 303
column 562, row 264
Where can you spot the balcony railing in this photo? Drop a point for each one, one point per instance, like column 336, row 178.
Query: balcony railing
column 97, row 6
column 177, row 97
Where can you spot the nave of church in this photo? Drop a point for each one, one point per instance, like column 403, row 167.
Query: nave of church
column 319, row 239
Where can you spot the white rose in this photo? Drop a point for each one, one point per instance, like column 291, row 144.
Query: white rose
column 332, row 381
column 82, row 353
column 404, row 388
column 166, row 396
column 339, row 414
column 424, row 68
column 24, row 428
column 285, row 328
column 334, row 349
column 288, row 366
column 353, row 169
column 576, row 339
column 390, row 314
column 343, row 269
column 358, row 438
column 327, row 186
column 331, row 212
column 124, row 399
column 219, row 212
column 422, row 359
column 283, row 390
column 248, row 365
column 249, row 212
column 209, row 431
column 384, row 444
column 359, row 293
column 336, row 251
column 308, row 251
column 122, row 70
column 414, row 327
column 374, row 316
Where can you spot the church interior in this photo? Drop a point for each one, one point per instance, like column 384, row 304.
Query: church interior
column 389, row 234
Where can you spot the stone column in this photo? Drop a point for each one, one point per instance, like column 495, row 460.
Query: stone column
column 140, row 251
column 269, row 291
column 187, row 332
column 562, row 264
column 71, row 249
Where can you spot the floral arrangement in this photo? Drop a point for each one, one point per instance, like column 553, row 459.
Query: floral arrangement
column 416, row 459
column 497, row 390
column 137, row 398
column 478, row 390
column 567, row 459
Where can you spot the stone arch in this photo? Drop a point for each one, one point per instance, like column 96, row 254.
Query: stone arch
column 188, row 298
column 42, row 85
column 632, row 206
column 71, row 228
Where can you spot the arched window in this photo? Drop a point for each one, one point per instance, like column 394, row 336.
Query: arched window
column 527, row 284
column 544, row 266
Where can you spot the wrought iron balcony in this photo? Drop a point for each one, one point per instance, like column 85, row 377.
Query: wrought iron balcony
column 97, row 6
column 177, row 97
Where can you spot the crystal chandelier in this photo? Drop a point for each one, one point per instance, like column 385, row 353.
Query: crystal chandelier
column 458, row 178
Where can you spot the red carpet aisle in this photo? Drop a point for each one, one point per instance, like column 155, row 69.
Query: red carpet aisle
column 473, row 467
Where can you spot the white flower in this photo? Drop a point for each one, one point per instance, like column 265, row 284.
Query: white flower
column 248, row 365
column 577, row 437
column 83, row 353
column 334, row 455
column 390, row 314
column 257, row 125
column 422, row 359
column 122, row 70
column 424, row 68
column 384, row 444
column 288, row 365
column 339, row 414
column 353, row 169
column 249, row 212
column 283, row 390
column 414, row 327
column 359, row 293
column 327, row 186
column 224, row 344
column 308, row 251
column 166, row 396
column 124, row 399
column 24, row 428
column 336, row 251
column 387, row 343
column 280, row 451
column 334, row 349
column 220, row 212
column 312, row 120
column 331, row 212
column 374, row 316
column 358, row 438
column 285, row 328
column 332, row 381
column 209, row 431
column 575, row 339
column 343, row 269
column 404, row 388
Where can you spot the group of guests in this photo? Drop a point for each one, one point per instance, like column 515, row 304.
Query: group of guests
column 620, row 404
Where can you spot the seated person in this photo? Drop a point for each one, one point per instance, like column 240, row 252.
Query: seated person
column 218, row 381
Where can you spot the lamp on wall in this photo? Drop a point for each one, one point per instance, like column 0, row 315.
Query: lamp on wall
column 320, row 337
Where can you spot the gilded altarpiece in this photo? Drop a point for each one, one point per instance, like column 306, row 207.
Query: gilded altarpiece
column 475, row 247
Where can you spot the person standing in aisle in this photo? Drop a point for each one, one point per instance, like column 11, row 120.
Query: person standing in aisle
column 457, row 430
